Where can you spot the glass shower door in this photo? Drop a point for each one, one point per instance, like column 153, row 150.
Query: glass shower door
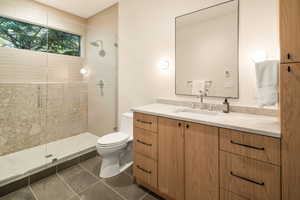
column 22, row 74
column 66, row 108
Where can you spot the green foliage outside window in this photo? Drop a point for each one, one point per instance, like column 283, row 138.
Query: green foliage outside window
column 22, row 35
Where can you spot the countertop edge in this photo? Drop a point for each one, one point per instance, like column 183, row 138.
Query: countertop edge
column 237, row 128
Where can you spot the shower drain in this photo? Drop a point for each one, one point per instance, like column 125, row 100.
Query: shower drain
column 49, row 156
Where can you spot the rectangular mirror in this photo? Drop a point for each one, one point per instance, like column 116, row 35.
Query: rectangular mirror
column 207, row 51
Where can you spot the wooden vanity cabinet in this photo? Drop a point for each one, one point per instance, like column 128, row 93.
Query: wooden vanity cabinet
column 145, row 149
column 201, row 162
column 289, row 97
column 171, row 158
column 189, row 161
column 290, row 30
column 249, row 178
column 290, row 123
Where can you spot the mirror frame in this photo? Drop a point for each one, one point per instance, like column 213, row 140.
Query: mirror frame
column 238, row 47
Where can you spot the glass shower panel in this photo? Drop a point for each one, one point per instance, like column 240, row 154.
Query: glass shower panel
column 22, row 77
column 66, row 114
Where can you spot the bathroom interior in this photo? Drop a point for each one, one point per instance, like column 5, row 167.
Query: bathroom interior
column 149, row 100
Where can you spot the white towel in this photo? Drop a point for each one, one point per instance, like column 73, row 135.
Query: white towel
column 267, row 82
column 197, row 86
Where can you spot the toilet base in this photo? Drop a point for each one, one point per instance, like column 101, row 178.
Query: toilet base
column 115, row 163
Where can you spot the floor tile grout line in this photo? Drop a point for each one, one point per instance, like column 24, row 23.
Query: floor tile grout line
column 103, row 181
column 70, row 188
column 33, row 193
column 112, row 189
column 88, row 171
column 143, row 197
column 107, row 185
column 92, row 185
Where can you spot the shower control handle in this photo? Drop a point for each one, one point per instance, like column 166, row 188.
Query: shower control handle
column 101, row 84
column 39, row 104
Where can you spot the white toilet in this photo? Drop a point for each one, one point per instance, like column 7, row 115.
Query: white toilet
column 116, row 149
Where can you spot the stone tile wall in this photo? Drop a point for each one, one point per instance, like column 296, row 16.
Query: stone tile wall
column 43, row 98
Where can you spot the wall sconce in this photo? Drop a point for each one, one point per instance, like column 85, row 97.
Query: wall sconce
column 259, row 56
column 164, row 65
column 84, row 71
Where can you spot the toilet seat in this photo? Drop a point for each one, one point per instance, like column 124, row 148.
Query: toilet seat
column 113, row 140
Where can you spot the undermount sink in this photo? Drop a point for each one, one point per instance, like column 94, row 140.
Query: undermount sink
column 195, row 111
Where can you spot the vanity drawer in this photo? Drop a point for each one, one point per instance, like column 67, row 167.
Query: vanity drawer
column 250, row 145
column 147, row 122
column 225, row 195
column 145, row 143
column 252, row 179
column 145, row 170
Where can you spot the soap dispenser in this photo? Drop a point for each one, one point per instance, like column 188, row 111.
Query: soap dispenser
column 225, row 106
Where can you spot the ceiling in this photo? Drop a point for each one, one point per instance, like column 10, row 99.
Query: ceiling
column 82, row 8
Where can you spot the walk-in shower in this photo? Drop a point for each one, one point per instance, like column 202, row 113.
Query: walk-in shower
column 43, row 99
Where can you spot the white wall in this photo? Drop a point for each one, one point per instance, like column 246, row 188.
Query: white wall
column 102, row 109
column 147, row 35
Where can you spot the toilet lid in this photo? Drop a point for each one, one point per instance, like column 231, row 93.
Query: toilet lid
column 113, row 139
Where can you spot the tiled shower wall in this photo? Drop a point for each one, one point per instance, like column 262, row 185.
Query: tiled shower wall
column 43, row 98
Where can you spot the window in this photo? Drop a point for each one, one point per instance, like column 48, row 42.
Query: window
column 16, row 34
column 63, row 43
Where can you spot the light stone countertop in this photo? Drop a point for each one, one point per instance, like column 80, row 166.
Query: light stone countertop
column 257, row 124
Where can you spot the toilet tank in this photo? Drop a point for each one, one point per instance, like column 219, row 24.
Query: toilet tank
column 127, row 123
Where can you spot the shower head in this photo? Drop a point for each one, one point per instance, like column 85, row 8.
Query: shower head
column 95, row 44
column 99, row 43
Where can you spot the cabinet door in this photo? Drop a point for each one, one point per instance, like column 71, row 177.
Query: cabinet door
column 290, row 120
column 201, row 162
column 171, row 158
column 289, row 30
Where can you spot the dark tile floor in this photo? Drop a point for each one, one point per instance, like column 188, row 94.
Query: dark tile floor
column 81, row 182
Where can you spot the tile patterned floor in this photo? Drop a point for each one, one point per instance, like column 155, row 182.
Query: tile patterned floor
column 81, row 182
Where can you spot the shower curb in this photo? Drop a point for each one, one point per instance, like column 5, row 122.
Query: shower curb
column 45, row 172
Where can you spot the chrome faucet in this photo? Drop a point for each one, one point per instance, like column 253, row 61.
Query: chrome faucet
column 201, row 96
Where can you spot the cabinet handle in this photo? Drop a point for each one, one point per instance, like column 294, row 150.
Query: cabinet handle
column 144, row 122
column 247, row 179
column 139, row 141
column 289, row 56
column 144, row 170
column 289, row 69
column 187, row 126
column 248, row 146
column 179, row 124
